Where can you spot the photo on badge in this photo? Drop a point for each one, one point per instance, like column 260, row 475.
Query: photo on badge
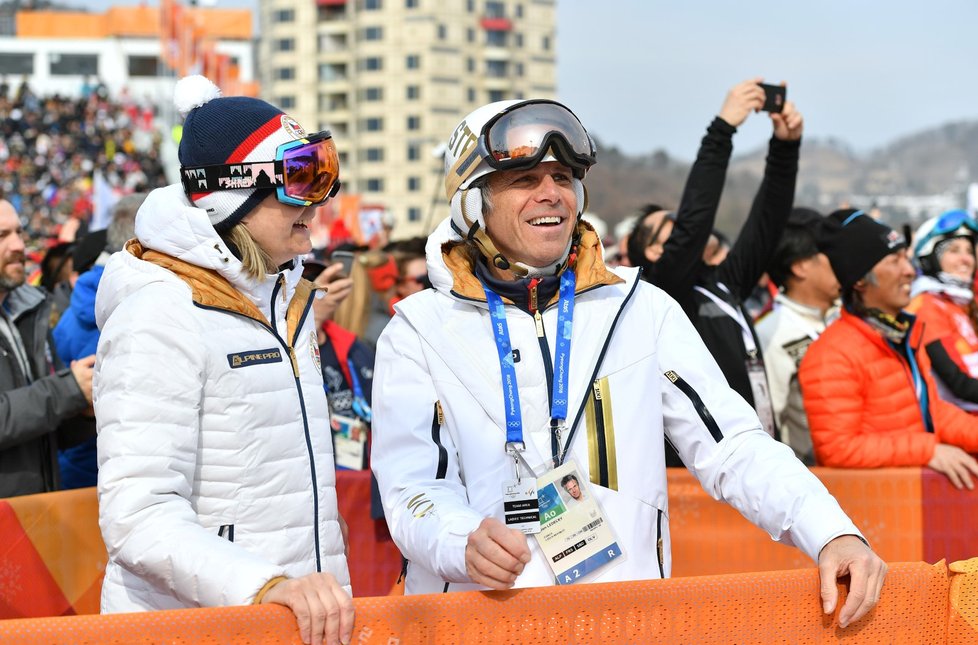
column 574, row 534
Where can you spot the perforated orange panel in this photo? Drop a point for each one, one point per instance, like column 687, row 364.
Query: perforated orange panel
column 709, row 537
column 963, row 618
column 773, row 607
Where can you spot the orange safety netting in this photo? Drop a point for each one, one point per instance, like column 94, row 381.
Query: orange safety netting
column 771, row 607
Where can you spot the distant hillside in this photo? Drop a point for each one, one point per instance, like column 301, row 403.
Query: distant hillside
column 908, row 178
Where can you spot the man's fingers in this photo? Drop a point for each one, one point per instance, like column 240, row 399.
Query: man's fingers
column 828, row 592
column 300, row 607
column 345, row 603
column 512, row 541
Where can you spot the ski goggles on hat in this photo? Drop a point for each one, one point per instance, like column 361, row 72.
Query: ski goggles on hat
column 521, row 136
column 304, row 172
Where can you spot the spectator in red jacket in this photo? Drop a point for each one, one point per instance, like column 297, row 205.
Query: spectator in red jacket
column 867, row 387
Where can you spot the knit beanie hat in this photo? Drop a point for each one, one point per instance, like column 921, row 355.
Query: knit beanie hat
column 226, row 130
column 854, row 242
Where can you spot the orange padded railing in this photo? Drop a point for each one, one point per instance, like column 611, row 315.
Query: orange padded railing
column 53, row 543
column 766, row 607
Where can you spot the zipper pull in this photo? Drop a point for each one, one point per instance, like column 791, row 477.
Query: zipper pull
column 281, row 285
column 295, row 362
column 539, row 320
column 535, row 308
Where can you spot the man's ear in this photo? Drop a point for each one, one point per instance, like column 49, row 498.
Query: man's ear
column 800, row 268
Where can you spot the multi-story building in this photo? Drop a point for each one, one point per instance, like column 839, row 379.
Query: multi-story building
column 392, row 78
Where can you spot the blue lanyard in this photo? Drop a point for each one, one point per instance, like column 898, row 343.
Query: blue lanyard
column 511, row 394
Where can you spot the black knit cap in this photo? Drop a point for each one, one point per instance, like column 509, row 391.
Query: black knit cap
column 854, row 243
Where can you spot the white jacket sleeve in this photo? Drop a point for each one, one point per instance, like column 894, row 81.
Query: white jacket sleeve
column 415, row 459
column 719, row 437
column 148, row 384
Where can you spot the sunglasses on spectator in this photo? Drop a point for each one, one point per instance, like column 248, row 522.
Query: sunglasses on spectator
column 305, row 172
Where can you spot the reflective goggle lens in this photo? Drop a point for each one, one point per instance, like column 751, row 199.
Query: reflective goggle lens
column 523, row 136
column 953, row 220
column 310, row 169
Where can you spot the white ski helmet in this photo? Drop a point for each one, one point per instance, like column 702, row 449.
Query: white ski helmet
column 947, row 226
column 505, row 135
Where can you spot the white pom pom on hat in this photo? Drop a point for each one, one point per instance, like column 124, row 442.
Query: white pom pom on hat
column 192, row 92
column 226, row 130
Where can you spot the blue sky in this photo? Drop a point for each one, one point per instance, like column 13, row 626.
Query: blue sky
column 650, row 74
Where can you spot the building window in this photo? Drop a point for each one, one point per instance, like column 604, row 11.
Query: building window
column 495, row 38
column 372, row 154
column 284, row 73
column 412, row 62
column 331, row 42
column 145, row 66
column 17, row 64
column 470, row 34
column 518, row 69
column 284, row 44
column 372, row 94
column 333, row 102
column 285, row 102
column 413, row 152
column 374, row 185
column 372, row 33
column 519, row 11
column 413, row 184
column 332, row 72
column 546, row 43
column 413, row 92
column 471, row 94
column 284, row 15
column 442, row 32
column 496, row 68
column 518, row 40
column 414, row 214
column 342, row 157
column 495, row 9
column 410, row 4
column 338, row 127
column 372, row 5
column 414, row 123
column 371, row 64
column 470, row 64
column 373, row 124
column 496, row 95
column 74, row 64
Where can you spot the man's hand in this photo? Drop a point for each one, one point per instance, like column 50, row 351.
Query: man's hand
column 82, row 370
column 788, row 123
column 345, row 532
column 956, row 464
column 742, row 99
column 847, row 554
column 321, row 606
column 496, row 555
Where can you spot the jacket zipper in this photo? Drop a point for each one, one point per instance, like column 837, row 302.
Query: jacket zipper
column 659, row 545
column 302, row 405
column 603, row 475
column 694, row 398
column 548, row 365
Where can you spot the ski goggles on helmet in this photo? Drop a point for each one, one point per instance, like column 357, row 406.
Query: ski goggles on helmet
column 521, row 136
column 305, row 172
column 952, row 221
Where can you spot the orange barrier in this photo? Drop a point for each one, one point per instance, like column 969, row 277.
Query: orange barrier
column 751, row 608
column 52, row 559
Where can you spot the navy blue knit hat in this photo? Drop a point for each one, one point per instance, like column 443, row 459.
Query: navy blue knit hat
column 221, row 130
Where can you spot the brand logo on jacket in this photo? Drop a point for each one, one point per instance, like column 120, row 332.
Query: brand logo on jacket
column 254, row 357
column 314, row 351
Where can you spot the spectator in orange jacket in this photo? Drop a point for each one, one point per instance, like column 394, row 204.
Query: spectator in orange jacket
column 868, row 390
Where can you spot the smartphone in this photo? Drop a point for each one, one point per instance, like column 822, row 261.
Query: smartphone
column 774, row 97
column 346, row 258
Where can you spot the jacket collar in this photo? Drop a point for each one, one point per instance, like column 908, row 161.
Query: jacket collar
column 21, row 300
column 589, row 267
column 913, row 332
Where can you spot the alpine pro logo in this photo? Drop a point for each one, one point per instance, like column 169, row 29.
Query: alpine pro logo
column 256, row 357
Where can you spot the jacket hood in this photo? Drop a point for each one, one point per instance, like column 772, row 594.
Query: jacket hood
column 168, row 223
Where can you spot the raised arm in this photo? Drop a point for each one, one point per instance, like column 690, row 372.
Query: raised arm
column 675, row 272
column 759, row 236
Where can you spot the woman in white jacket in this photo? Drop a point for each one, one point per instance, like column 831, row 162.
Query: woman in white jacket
column 216, row 483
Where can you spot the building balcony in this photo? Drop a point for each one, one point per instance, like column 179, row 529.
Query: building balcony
column 497, row 24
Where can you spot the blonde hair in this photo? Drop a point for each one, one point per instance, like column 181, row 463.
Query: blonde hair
column 254, row 259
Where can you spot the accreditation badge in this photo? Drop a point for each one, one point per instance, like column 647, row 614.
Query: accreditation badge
column 521, row 507
column 574, row 534
column 349, row 442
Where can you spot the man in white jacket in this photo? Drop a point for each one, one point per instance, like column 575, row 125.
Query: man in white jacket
column 530, row 360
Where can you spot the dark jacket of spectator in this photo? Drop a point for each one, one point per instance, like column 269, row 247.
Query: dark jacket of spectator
column 33, row 406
